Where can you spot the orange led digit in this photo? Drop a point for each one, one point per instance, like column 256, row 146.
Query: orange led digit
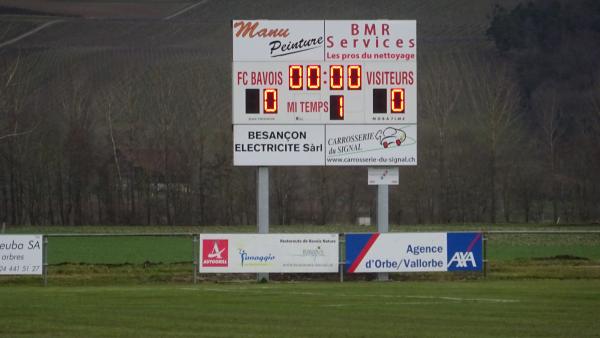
column 336, row 77
column 270, row 101
column 295, row 77
column 336, row 107
column 313, row 77
column 354, row 77
column 397, row 98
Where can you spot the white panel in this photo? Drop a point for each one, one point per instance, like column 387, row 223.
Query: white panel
column 406, row 252
column 374, row 40
column 383, row 176
column 251, row 253
column 21, row 254
column 371, row 145
column 255, row 145
column 275, row 40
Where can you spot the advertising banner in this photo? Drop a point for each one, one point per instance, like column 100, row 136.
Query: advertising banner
column 273, row 253
column 371, row 145
column 21, row 254
column 374, row 40
column 277, row 40
column 414, row 252
column 278, row 145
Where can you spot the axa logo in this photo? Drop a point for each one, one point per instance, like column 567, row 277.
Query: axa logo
column 463, row 259
column 215, row 253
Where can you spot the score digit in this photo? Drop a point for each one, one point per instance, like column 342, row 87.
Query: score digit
column 336, row 77
column 295, row 77
column 336, row 102
column 354, row 77
column 270, row 101
column 313, row 77
column 397, row 98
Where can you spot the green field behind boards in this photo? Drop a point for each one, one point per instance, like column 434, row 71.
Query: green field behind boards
column 84, row 260
column 135, row 250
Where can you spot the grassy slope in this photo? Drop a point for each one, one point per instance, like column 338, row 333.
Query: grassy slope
column 469, row 309
column 11, row 28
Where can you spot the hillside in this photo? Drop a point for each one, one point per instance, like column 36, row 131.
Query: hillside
column 112, row 85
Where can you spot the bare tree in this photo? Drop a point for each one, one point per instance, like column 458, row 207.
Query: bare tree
column 75, row 102
column 164, row 99
column 440, row 91
column 17, row 76
column 549, row 115
column 494, row 98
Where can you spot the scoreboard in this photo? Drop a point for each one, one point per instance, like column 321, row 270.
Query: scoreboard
column 336, row 93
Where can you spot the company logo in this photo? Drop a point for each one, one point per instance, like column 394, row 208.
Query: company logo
column 462, row 260
column 317, row 252
column 465, row 251
column 252, row 30
column 313, row 253
column 215, row 253
column 256, row 260
column 390, row 136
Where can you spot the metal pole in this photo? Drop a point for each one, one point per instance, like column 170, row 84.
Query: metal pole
column 485, row 259
column 195, row 257
column 342, row 263
column 382, row 219
column 45, row 259
column 262, row 208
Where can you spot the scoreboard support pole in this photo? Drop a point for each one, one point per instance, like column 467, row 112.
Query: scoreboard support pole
column 262, row 208
column 383, row 218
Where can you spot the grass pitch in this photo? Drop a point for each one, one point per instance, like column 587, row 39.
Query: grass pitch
column 548, row 308
column 539, row 285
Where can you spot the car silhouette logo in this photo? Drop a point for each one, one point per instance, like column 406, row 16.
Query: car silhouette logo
column 389, row 136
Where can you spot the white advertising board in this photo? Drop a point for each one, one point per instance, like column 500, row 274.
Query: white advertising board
column 375, row 40
column 273, row 253
column 383, row 176
column 371, row 145
column 328, row 145
column 278, row 145
column 351, row 73
column 21, row 254
column 275, row 40
column 283, row 40
column 414, row 252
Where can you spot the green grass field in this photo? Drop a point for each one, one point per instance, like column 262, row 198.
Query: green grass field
column 544, row 308
column 544, row 285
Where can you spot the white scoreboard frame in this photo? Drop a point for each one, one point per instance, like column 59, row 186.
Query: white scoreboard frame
column 303, row 132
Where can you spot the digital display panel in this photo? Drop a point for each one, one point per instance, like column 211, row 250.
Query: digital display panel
column 300, row 92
